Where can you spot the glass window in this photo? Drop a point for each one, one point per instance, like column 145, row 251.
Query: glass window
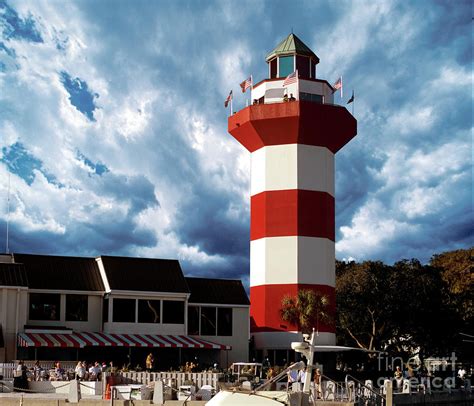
column 149, row 311
column 173, row 312
column 77, row 307
column 208, row 321
column 302, row 64
column 313, row 69
column 224, row 321
column 286, row 66
column 193, row 320
column 315, row 98
column 124, row 310
column 105, row 311
column 44, row 306
column 281, row 357
column 273, row 68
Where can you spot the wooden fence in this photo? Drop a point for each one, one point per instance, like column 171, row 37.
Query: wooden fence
column 175, row 379
column 7, row 369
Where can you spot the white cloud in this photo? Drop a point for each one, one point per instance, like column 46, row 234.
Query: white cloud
column 372, row 229
column 411, row 119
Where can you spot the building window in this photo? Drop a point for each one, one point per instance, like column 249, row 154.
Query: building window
column 173, row 312
column 302, row 64
column 208, row 321
column 193, row 320
column 76, row 307
column 224, row 321
column 149, row 311
column 273, row 68
column 44, row 306
column 124, row 310
column 286, row 64
column 105, row 310
column 315, row 98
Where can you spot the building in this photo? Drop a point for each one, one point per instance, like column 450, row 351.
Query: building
column 120, row 309
column 292, row 130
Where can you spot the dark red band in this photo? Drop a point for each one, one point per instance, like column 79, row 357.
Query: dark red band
column 266, row 304
column 292, row 213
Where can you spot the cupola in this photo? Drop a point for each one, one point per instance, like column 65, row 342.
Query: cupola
column 292, row 54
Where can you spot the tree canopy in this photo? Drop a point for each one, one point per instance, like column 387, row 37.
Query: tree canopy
column 407, row 307
column 306, row 310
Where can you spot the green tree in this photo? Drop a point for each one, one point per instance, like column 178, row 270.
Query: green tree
column 457, row 273
column 364, row 308
column 306, row 310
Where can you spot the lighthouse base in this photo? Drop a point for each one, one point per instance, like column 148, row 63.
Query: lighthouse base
column 281, row 340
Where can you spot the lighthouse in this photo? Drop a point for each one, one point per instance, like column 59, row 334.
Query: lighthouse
column 292, row 129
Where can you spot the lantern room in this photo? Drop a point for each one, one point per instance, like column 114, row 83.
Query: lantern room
column 291, row 55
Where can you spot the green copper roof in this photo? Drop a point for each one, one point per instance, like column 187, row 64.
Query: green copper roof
column 289, row 46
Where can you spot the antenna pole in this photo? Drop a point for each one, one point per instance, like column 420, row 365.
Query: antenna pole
column 8, row 211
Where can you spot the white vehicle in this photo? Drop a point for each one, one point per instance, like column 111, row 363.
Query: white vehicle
column 246, row 368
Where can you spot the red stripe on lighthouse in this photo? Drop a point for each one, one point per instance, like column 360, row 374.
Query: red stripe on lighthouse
column 292, row 212
column 266, row 305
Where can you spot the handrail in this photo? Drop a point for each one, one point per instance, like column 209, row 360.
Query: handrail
column 365, row 386
column 338, row 384
column 276, row 378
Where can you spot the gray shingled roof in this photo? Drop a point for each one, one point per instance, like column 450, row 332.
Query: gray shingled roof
column 63, row 273
column 217, row 291
column 289, row 46
column 143, row 274
column 13, row 275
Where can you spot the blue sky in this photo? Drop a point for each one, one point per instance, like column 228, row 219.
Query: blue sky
column 113, row 130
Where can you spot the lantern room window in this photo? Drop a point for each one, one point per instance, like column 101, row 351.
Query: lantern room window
column 286, row 65
column 273, row 68
column 302, row 64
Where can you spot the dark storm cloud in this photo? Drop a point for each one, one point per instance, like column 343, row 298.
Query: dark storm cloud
column 15, row 27
column 162, row 173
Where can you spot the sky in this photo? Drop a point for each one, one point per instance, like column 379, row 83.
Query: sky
column 113, row 133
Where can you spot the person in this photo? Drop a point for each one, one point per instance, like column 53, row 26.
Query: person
column 317, row 382
column 80, row 371
column 398, row 375
column 285, row 98
column 149, row 362
column 270, row 375
column 58, row 371
column 94, row 372
column 20, row 380
column 292, row 98
column 292, row 376
column 37, row 371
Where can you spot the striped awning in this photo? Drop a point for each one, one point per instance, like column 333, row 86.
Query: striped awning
column 81, row 340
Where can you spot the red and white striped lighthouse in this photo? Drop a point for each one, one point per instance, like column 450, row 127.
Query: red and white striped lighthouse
column 292, row 221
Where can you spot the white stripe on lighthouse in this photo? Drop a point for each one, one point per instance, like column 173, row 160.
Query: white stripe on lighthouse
column 292, row 166
column 294, row 259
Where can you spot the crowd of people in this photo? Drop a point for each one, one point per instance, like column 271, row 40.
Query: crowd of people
column 83, row 371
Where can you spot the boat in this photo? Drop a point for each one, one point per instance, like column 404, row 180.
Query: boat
column 261, row 396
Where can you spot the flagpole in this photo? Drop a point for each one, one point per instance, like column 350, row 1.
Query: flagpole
column 353, row 102
column 342, row 86
column 251, row 88
column 297, row 84
column 231, row 105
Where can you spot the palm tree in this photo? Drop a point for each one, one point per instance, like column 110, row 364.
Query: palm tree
column 306, row 309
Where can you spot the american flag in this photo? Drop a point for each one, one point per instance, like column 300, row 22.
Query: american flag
column 338, row 84
column 246, row 84
column 291, row 78
column 229, row 98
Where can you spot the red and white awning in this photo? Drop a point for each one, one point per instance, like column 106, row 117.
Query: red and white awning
column 81, row 340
